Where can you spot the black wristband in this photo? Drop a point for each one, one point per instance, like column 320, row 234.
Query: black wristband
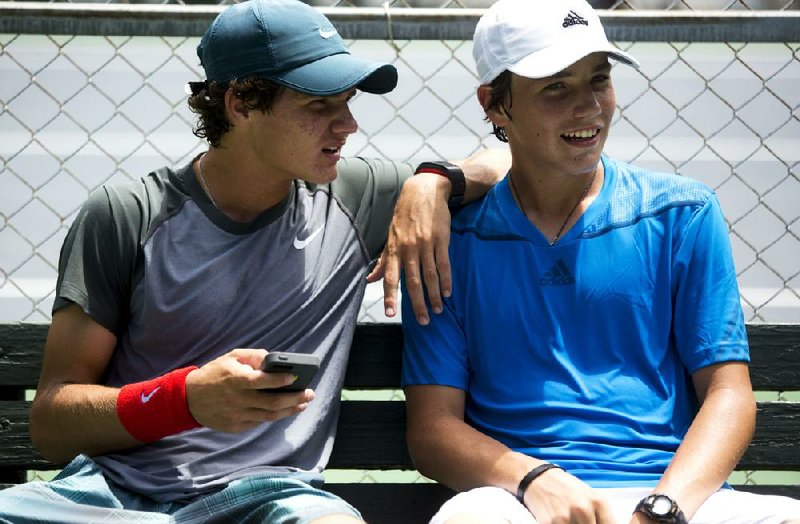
column 454, row 174
column 530, row 477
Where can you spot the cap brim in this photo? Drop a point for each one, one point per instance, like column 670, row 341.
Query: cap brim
column 554, row 59
column 337, row 73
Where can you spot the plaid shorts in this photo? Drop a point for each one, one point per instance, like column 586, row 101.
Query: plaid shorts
column 81, row 495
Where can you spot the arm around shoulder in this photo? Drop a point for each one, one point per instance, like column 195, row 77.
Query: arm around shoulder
column 419, row 234
column 483, row 169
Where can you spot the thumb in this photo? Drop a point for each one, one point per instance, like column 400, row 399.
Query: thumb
column 378, row 271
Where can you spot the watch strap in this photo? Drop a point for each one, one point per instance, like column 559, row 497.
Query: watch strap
column 458, row 182
column 675, row 515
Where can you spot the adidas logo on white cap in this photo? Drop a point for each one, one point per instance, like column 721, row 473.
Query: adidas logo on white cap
column 574, row 18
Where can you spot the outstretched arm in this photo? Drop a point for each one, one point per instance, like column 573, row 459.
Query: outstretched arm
column 716, row 440
column 419, row 235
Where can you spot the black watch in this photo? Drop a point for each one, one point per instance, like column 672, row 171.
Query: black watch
column 661, row 508
column 453, row 173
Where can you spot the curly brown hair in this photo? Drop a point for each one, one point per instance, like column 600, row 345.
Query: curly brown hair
column 208, row 103
column 500, row 94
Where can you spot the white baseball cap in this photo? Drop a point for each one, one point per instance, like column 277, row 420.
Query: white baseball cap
column 538, row 38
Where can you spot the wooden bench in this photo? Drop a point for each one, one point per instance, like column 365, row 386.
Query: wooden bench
column 371, row 433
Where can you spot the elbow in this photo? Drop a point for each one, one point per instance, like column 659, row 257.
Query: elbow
column 44, row 439
column 39, row 434
column 749, row 407
column 421, row 448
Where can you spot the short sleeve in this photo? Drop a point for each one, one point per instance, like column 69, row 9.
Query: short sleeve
column 97, row 260
column 368, row 189
column 435, row 354
column 709, row 323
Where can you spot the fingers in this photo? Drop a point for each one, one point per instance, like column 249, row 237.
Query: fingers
column 430, row 275
column 232, row 394
column 264, row 407
column 436, row 277
column 250, row 357
column 391, row 280
column 427, row 268
column 417, row 244
column 603, row 513
column 414, row 290
column 561, row 497
column 415, row 293
column 276, row 405
column 443, row 268
column 377, row 272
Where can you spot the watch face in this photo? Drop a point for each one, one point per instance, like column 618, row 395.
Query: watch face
column 661, row 505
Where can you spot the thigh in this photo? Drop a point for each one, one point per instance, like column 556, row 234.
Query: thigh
column 79, row 495
column 265, row 499
column 725, row 506
column 740, row 507
column 486, row 501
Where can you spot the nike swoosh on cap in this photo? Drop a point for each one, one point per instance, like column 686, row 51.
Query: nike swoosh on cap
column 326, row 34
column 301, row 244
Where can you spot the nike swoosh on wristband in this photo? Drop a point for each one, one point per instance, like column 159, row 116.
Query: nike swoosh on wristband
column 146, row 398
column 301, row 244
column 326, row 34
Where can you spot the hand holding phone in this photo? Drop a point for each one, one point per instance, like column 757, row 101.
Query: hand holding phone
column 301, row 365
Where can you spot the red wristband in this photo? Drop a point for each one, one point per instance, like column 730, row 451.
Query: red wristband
column 156, row 408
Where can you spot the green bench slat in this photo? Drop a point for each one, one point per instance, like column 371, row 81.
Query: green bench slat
column 774, row 356
column 371, row 435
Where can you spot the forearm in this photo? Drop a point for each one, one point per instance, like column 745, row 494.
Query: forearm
column 445, row 448
column 460, row 457
column 711, row 449
column 77, row 418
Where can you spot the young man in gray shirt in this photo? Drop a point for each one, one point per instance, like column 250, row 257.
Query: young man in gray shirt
column 173, row 289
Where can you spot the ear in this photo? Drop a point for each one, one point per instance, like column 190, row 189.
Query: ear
column 235, row 109
column 496, row 115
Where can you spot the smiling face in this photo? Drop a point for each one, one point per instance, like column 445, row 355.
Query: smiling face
column 302, row 136
column 558, row 124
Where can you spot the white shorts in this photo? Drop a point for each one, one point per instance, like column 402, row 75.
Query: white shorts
column 724, row 506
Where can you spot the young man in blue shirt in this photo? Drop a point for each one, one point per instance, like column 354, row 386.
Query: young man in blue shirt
column 591, row 363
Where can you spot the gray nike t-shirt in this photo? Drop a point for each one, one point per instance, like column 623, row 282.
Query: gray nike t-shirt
column 181, row 284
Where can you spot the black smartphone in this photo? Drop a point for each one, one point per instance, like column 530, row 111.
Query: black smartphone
column 303, row 366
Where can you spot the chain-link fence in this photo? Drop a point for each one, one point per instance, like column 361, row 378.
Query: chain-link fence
column 79, row 109
column 636, row 5
column 94, row 93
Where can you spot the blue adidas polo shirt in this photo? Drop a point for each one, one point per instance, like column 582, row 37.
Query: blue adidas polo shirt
column 581, row 353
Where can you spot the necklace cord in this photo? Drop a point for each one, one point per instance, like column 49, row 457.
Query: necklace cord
column 569, row 215
column 203, row 181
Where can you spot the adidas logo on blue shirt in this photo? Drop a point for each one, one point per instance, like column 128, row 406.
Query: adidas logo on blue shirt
column 558, row 275
column 574, row 18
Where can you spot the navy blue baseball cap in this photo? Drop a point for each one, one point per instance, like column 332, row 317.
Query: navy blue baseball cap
column 291, row 44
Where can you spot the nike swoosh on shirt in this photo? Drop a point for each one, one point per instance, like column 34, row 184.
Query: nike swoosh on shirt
column 146, row 398
column 301, row 244
column 326, row 34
